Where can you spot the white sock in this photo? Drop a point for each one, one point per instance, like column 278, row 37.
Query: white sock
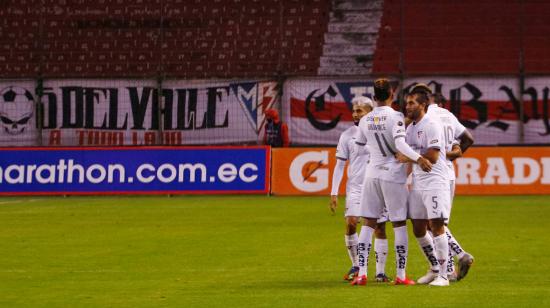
column 401, row 249
column 363, row 248
column 450, row 263
column 381, row 251
column 442, row 253
column 351, row 244
column 427, row 247
column 454, row 246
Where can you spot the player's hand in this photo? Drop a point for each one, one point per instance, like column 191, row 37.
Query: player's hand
column 424, row 164
column 402, row 158
column 333, row 204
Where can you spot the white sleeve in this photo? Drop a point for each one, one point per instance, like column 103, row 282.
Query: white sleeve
column 458, row 128
column 433, row 136
column 342, row 150
column 360, row 138
column 337, row 176
column 399, row 126
column 405, row 149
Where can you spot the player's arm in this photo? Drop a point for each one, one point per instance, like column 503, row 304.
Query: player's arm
column 432, row 154
column 342, row 155
column 463, row 135
column 434, row 142
column 408, row 154
column 360, row 138
column 466, row 140
column 455, row 153
column 337, row 175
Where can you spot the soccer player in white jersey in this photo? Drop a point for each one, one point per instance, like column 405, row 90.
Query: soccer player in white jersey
column 357, row 156
column 383, row 131
column 429, row 198
column 453, row 131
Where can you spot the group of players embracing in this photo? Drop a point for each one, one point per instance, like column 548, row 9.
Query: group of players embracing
column 383, row 148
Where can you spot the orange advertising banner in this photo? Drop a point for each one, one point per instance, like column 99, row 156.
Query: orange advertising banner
column 504, row 171
column 482, row 171
column 303, row 171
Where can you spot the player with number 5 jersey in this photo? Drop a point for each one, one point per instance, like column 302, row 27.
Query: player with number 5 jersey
column 429, row 198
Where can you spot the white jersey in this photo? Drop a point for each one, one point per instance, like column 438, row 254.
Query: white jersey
column 422, row 136
column 356, row 155
column 378, row 130
column 452, row 130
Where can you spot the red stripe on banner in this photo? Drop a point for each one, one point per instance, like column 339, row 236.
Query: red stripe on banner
column 496, row 110
column 330, row 111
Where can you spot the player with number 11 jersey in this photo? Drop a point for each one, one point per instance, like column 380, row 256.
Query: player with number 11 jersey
column 383, row 131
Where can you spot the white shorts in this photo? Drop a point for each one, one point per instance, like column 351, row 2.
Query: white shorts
column 379, row 195
column 429, row 204
column 353, row 201
column 353, row 204
column 452, row 187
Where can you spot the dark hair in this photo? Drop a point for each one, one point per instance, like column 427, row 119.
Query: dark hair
column 422, row 91
column 382, row 89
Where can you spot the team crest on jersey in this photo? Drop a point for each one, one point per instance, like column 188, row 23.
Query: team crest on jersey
column 419, row 134
column 255, row 98
column 376, row 120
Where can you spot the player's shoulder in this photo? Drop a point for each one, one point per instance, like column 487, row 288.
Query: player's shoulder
column 397, row 114
column 349, row 132
column 432, row 122
column 444, row 112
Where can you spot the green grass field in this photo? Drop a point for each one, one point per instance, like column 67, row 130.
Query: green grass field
column 233, row 251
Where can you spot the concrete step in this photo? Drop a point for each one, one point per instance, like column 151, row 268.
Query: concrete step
column 347, row 50
column 345, row 61
column 343, row 27
column 357, row 5
column 354, row 16
column 350, row 38
column 342, row 71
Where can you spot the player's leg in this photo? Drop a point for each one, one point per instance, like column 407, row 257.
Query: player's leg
column 465, row 260
column 441, row 245
column 395, row 197
column 451, row 273
column 371, row 207
column 352, row 239
column 381, row 250
column 419, row 219
column 437, row 204
column 352, row 213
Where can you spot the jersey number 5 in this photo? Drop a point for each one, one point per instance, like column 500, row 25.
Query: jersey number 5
column 434, row 201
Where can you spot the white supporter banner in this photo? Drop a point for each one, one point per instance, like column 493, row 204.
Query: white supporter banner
column 17, row 113
column 318, row 110
column 128, row 112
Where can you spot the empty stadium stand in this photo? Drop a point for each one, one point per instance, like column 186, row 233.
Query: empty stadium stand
column 266, row 38
column 462, row 37
column 174, row 38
